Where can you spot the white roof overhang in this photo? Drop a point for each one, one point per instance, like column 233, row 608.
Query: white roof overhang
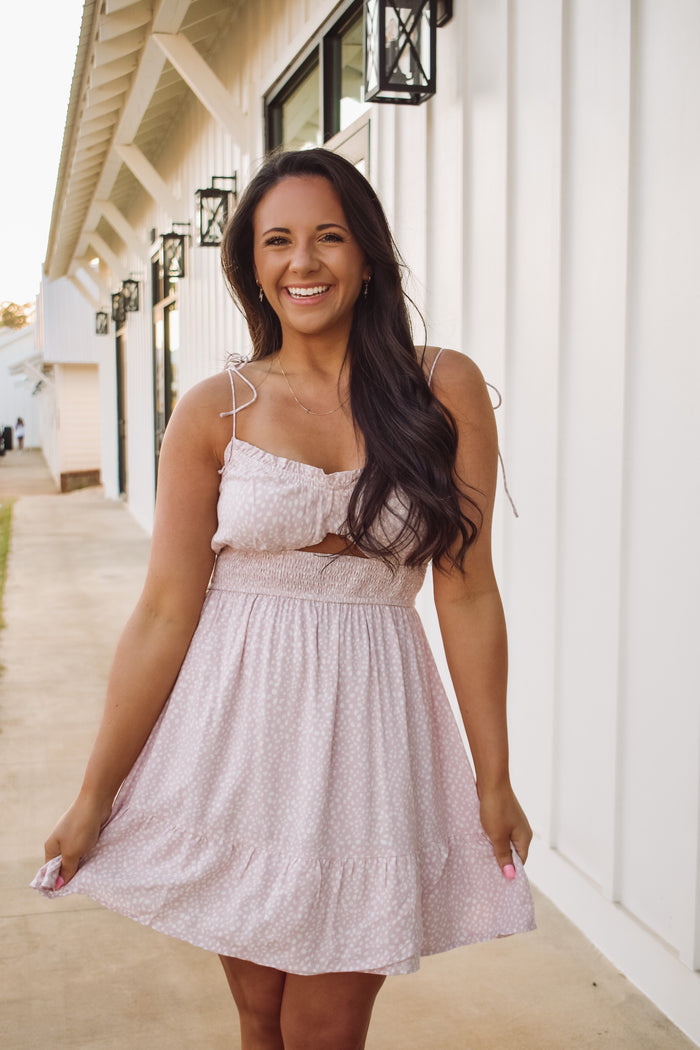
column 136, row 62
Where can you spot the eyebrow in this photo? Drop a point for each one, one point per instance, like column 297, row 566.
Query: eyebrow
column 321, row 226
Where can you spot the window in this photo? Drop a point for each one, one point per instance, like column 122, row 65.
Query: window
column 324, row 93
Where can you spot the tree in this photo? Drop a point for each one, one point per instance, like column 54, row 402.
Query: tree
column 12, row 315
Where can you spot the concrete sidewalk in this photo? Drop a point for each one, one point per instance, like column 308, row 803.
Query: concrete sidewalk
column 74, row 976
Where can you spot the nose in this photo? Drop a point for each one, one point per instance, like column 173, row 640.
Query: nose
column 303, row 259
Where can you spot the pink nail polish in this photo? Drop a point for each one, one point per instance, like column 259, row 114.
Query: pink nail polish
column 60, row 881
column 509, row 871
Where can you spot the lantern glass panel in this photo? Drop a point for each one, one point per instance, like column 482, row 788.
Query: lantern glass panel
column 118, row 311
column 400, row 50
column 372, row 44
column 102, row 323
column 130, row 291
column 212, row 215
column 407, row 44
column 173, row 256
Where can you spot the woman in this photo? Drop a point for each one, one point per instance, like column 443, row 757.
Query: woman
column 303, row 804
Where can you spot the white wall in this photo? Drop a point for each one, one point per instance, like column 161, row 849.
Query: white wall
column 67, row 337
column 77, row 388
column 580, row 220
column 16, row 389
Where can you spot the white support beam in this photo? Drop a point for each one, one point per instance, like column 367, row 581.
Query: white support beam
column 170, row 15
column 126, row 231
column 149, row 178
column 81, row 268
column 141, row 93
column 88, row 296
column 201, row 79
column 105, row 253
column 36, row 374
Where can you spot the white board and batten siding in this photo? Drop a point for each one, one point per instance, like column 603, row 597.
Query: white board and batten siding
column 76, row 401
column 546, row 201
column 79, row 417
column 581, row 151
column 17, row 398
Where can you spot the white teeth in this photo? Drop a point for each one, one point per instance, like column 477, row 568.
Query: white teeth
column 306, row 292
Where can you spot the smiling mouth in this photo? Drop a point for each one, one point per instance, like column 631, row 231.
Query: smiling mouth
column 308, row 293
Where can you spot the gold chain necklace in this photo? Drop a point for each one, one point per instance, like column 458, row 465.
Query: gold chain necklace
column 309, row 411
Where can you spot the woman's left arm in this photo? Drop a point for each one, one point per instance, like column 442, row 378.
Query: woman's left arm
column 470, row 613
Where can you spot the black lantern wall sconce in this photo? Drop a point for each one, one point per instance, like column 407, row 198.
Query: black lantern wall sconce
column 173, row 247
column 130, row 291
column 214, row 205
column 101, row 323
column 118, row 309
column 400, row 49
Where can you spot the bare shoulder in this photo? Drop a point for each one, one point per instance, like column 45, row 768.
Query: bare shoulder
column 201, row 421
column 206, row 398
column 457, row 382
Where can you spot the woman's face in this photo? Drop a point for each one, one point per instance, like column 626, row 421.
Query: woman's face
column 307, row 261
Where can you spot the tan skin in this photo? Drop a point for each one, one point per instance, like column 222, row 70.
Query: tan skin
column 301, row 242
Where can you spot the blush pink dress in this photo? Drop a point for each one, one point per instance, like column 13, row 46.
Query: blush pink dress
column 304, row 800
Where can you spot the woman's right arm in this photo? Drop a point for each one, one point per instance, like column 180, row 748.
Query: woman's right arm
column 154, row 642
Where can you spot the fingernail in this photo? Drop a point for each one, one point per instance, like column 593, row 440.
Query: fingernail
column 60, row 881
column 509, row 871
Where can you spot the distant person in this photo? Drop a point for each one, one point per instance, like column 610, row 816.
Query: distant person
column 19, row 433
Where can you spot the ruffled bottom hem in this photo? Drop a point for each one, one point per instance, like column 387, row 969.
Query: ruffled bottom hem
column 372, row 915
column 399, row 968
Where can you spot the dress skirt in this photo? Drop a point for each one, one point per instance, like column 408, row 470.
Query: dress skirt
column 304, row 800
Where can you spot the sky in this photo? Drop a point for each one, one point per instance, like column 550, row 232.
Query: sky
column 38, row 42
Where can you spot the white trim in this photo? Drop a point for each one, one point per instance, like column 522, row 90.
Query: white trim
column 125, row 230
column 201, row 79
column 149, row 178
column 644, row 958
column 106, row 254
column 81, row 266
column 87, row 295
column 170, row 15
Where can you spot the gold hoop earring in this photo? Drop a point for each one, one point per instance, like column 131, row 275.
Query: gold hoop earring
column 261, row 294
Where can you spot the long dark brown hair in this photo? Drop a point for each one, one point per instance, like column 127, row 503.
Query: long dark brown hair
column 410, row 437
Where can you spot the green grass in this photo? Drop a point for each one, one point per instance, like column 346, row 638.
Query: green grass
column 5, row 530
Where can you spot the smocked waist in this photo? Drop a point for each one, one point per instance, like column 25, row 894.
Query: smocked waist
column 317, row 577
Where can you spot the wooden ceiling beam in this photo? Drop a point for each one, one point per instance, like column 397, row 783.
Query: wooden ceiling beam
column 111, row 71
column 149, row 178
column 112, row 50
column 85, row 293
column 201, row 79
column 101, row 248
column 113, row 6
column 81, row 265
column 170, row 15
column 126, row 231
column 120, row 22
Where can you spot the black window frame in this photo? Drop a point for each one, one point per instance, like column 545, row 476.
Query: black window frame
column 323, row 49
